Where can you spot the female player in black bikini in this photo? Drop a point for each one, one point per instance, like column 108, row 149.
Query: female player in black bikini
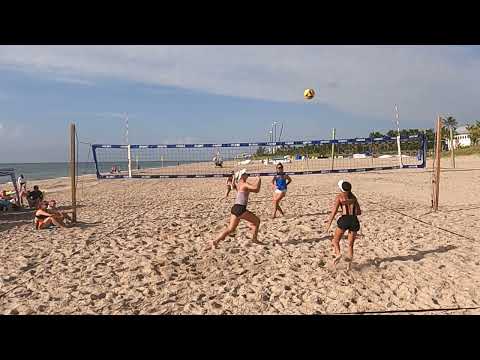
column 280, row 183
column 348, row 221
column 239, row 210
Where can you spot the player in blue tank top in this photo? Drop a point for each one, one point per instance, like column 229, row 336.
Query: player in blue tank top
column 280, row 183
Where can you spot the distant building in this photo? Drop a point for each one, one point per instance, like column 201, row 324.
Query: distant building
column 461, row 139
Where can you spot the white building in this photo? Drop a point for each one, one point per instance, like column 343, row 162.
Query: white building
column 461, row 139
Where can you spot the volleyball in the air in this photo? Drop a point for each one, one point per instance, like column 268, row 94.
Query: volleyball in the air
column 309, row 94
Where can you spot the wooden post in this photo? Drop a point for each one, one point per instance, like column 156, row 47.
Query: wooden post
column 438, row 153
column 333, row 147
column 452, row 148
column 18, row 200
column 73, row 162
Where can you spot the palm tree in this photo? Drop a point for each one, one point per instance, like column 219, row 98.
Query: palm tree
column 474, row 131
column 375, row 134
column 450, row 123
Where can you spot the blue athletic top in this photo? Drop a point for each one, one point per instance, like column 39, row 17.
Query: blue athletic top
column 281, row 182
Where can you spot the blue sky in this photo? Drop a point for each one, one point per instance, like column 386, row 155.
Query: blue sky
column 223, row 93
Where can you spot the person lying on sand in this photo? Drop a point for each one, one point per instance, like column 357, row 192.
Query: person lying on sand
column 52, row 209
column 279, row 185
column 348, row 221
column 230, row 184
column 45, row 219
column 239, row 210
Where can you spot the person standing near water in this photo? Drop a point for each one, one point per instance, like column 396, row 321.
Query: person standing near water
column 22, row 188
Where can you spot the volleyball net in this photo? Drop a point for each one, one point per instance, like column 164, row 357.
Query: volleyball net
column 260, row 159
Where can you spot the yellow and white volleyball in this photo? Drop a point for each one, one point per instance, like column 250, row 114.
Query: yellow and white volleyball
column 309, row 94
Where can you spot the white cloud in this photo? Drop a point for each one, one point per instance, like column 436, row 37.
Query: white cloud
column 114, row 115
column 10, row 132
column 74, row 81
column 180, row 140
column 363, row 80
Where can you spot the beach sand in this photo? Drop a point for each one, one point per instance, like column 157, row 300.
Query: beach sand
column 139, row 248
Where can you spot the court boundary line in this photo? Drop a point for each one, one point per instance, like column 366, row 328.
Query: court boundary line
column 425, row 222
column 407, row 311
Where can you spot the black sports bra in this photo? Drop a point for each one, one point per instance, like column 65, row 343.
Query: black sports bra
column 347, row 212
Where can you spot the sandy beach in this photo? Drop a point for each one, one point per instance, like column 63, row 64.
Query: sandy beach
column 139, row 248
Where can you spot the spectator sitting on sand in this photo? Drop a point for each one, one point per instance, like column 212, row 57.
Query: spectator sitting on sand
column 44, row 219
column 5, row 201
column 52, row 209
column 34, row 197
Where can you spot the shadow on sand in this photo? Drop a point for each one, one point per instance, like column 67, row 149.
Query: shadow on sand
column 85, row 225
column 452, row 210
column 414, row 257
column 312, row 214
column 308, row 241
column 14, row 218
column 69, row 207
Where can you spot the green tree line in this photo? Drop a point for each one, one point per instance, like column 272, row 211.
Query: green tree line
column 379, row 148
column 474, row 131
column 324, row 150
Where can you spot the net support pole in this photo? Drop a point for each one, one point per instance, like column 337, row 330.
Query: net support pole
column 452, row 148
column 399, row 152
column 129, row 149
column 333, row 148
column 73, row 162
column 438, row 150
column 372, row 148
column 425, row 148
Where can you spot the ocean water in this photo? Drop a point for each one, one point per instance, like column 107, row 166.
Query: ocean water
column 43, row 171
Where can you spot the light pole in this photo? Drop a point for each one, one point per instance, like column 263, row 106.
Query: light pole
column 398, row 137
column 126, row 129
column 275, row 136
column 281, row 132
column 271, row 137
column 129, row 152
